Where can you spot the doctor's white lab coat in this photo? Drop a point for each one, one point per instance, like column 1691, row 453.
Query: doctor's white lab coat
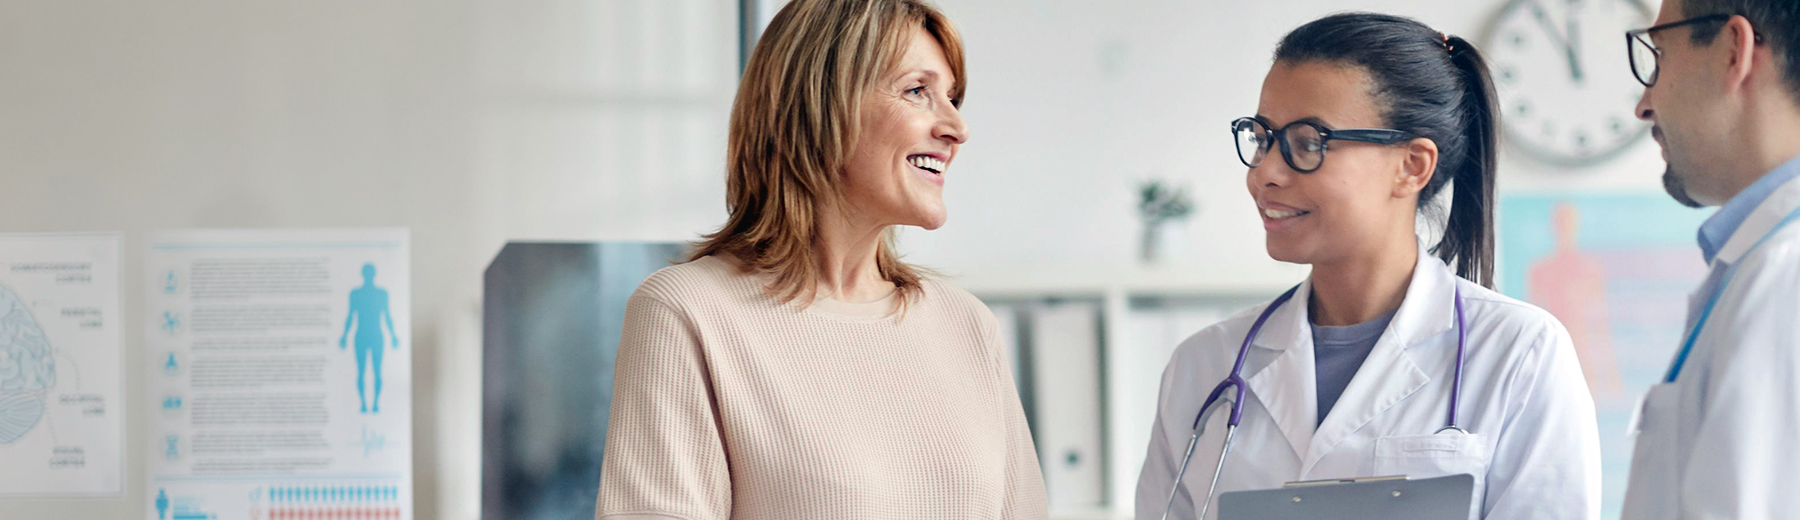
column 1720, row 442
column 1533, row 445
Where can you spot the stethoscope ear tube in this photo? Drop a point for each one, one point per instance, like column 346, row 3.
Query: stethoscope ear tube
column 1218, row 469
column 1188, row 456
column 1176, row 489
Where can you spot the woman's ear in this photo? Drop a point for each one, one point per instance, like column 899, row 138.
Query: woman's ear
column 1416, row 167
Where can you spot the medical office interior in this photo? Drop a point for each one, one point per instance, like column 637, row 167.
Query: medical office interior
column 540, row 157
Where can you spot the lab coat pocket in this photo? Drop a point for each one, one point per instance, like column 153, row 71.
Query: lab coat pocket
column 1651, row 491
column 1435, row 455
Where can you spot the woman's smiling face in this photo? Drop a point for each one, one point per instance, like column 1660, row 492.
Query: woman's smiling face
column 1352, row 200
column 909, row 135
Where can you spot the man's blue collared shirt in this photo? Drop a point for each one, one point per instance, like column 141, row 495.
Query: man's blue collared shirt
column 1719, row 228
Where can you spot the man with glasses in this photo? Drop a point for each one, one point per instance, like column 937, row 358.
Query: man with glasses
column 1717, row 439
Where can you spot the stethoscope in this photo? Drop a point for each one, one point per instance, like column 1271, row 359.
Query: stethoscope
column 1235, row 381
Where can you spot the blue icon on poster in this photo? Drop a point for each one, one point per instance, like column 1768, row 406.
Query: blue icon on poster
column 171, row 322
column 368, row 311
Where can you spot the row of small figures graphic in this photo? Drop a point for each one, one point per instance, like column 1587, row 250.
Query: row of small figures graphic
column 340, row 513
column 334, row 494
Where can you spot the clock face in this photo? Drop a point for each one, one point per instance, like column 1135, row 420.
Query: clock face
column 1566, row 89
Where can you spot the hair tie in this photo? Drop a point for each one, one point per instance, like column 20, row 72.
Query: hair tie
column 1446, row 42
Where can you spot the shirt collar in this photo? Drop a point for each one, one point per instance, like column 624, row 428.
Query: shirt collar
column 1426, row 311
column 1719, row 228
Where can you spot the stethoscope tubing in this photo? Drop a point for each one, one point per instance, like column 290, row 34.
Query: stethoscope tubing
column 1235, row 381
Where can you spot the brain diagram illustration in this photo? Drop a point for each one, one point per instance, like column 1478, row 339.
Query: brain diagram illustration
column 27, row 368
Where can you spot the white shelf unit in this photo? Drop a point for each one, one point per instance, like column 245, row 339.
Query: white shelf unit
column 1141, row 313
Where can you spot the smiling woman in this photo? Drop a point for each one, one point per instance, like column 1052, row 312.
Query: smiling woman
column 842, row 105
column 794, row 367
column 1393, row 357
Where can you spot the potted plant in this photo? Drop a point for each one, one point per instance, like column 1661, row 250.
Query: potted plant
column 1158, row 204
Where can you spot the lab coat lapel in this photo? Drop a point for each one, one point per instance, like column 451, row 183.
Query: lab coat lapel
column 1287, row 385
column 1390, row 374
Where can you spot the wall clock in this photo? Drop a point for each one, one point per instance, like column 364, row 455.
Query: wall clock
column 1565, row 86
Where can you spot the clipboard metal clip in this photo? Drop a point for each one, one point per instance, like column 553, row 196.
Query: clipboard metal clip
column 1335, row 481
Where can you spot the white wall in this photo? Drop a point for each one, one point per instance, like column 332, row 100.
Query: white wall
column 469, row 121
column 474, row 121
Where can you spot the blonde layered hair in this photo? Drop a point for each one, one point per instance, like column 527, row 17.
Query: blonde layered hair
column 795, row 122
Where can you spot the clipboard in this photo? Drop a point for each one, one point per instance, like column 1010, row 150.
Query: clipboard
column 1383, row 498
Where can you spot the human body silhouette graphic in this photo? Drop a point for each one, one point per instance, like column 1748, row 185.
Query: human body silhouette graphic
column 368, row 310
column 1571, row 285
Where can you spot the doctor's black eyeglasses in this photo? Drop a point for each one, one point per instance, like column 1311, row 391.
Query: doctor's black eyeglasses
column 1303, row 143
column 1644, row 55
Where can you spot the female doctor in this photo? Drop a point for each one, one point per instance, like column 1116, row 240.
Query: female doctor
column 1384, row 361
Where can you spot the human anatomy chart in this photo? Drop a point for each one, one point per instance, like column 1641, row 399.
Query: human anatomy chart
column 279, row 372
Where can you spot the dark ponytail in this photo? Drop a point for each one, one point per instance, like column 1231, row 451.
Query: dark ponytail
column 1469, row 233
column 1436, row 87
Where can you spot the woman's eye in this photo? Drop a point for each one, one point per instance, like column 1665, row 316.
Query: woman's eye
column 916, row 91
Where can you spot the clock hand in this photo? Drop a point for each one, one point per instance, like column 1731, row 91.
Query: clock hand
column 1569, row 45
column 1557, row 37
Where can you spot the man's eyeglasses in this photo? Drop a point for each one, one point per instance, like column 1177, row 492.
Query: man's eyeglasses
column 1303, row 143
column 1644, row 55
